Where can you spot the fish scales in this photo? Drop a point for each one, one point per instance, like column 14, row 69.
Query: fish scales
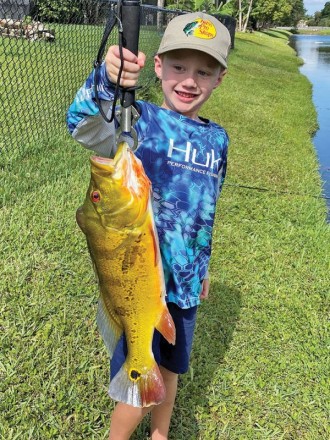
column 117, row 220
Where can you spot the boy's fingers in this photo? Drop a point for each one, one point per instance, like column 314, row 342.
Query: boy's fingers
column 127, row 79
column 128, row 66
column 141, row 59
column 131, row 67
column 127, row 54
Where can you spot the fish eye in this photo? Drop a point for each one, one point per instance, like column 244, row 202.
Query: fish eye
column 95, row 196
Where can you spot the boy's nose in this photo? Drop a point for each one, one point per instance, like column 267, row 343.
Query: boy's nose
column 190, row 81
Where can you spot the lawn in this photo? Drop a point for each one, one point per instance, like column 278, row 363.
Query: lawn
column 39, row 79
column 314, row 31
column 260, row 363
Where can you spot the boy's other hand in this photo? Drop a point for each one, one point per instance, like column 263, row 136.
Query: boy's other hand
column 205, row 289
column 132, row 66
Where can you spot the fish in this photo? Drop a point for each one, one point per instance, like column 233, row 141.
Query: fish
column 190, row 27
column 117, row 220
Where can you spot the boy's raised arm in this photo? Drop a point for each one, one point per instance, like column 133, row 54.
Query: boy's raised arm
column 84, row 120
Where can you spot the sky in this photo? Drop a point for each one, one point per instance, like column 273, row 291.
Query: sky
column 313, row 5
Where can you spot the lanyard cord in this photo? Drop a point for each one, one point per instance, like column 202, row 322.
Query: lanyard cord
column 113, row 18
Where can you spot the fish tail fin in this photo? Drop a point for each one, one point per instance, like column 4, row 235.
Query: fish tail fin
column 138, row 389
column 166, row 326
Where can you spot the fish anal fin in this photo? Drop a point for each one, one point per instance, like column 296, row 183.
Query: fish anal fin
column 145, row 390
column 109, row 327
column 166, row 326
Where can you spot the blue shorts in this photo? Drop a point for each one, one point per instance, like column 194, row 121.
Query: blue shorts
column 174, row 358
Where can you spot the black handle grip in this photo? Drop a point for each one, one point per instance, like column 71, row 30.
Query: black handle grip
column 130, row 18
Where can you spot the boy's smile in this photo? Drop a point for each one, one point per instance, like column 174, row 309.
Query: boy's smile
column 188, row 78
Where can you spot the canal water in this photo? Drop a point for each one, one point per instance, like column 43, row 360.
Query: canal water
column 315, row 52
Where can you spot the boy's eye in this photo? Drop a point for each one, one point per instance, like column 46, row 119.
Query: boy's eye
column 178, row 68
column 202, row 73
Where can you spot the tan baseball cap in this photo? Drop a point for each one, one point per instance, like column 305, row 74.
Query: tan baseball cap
column 198, row 31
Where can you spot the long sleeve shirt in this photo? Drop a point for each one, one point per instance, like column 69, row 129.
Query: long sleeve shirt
column 186, row 162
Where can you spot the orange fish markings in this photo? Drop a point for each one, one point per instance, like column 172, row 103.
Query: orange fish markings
column 117, row 220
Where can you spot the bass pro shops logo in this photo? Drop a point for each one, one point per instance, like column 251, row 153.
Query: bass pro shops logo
column 200, row 28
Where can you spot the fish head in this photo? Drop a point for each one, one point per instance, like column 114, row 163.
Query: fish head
column 119, row 191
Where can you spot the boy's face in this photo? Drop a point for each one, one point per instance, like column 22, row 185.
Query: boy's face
column 188, row 79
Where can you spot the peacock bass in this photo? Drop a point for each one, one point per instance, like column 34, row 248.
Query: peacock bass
column 117, row 220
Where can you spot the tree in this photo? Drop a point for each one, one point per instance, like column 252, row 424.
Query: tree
column 247, row 15
column 317, row 18
column 161, row 5
column 182, row 5
column 321, row 18
column 268, row 13
column 326, row 10
column 210, row 6
column 94, row 11
column 60, row 11
column 243, row 13
column 297, row 13
column 240, row 14
column 325, row 15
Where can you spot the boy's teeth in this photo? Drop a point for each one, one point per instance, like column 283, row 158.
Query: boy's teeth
column 186, row 95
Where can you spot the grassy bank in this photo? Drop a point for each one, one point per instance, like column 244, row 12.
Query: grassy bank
column 259, row 368
column 314, row 31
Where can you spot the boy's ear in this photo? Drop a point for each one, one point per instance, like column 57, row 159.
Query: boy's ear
column 158, row 66
column 220, row 78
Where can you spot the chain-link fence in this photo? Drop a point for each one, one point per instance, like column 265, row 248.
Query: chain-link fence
column 46, row 53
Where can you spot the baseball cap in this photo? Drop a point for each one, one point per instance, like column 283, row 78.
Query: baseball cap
column 198, row 31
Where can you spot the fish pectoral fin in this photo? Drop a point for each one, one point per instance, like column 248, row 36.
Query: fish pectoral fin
column 80, row 219
column 138, row 390
column 109, row 327
column 166, row 326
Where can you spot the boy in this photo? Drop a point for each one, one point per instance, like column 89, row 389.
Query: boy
column 184, row 156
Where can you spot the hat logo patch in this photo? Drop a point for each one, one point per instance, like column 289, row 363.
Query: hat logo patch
column 200, row 28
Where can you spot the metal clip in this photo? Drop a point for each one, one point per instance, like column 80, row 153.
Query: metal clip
column 127, row 117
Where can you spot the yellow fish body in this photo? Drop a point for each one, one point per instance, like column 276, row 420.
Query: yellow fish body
column 117, row 220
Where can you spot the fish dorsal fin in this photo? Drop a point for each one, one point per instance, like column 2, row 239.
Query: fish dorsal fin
column 155, row 244
column 154, row 235
column 109, row 327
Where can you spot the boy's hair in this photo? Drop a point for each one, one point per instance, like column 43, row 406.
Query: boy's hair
column 197, row 31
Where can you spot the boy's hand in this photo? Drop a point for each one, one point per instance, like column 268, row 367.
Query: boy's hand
column 205, row 289
column 132, row 66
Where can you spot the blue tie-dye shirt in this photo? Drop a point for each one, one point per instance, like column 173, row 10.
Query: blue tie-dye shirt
column 186, row 163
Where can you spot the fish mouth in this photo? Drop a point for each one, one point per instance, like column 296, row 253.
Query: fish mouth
column 109, row 164
column 102, row 160
column 103, row 164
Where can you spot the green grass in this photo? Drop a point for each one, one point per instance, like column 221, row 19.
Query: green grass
column 314, row 31
column 39, row 79
column 260, row 363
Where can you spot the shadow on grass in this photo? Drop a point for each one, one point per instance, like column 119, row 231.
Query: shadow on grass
column 276, row 34
column 250, row 42
column 216, row 323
